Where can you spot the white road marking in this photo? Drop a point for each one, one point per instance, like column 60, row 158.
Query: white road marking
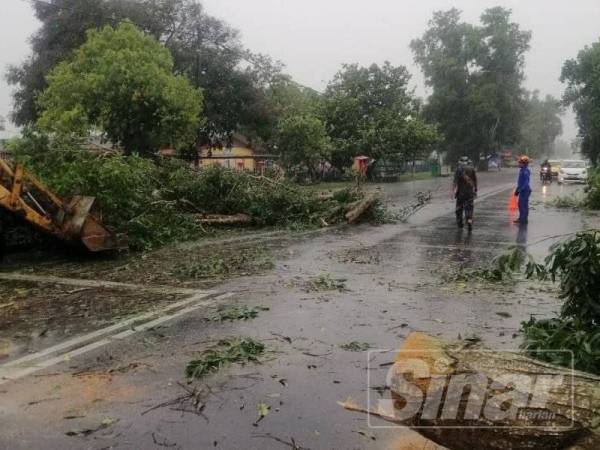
column 35, row 362
column 110, row 329
column 13, row 276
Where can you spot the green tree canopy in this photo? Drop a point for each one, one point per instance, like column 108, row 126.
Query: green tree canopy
column 64, row 24
column 582, row 76
column 120, row 82
column 366, row 111
column 419, row 140
column 541, row 126
column 476, row 73
column 302, row 141
column 287, row 98
column 204, row 48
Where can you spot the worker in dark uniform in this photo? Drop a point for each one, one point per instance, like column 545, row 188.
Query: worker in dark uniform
column 523, row 190
column 465, row 191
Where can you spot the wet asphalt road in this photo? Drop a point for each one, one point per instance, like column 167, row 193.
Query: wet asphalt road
column 393, row 285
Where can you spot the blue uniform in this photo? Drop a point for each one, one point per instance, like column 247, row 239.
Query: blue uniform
column 524, row 191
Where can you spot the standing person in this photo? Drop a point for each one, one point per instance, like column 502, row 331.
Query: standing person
column 523, row 190
column 465, row 191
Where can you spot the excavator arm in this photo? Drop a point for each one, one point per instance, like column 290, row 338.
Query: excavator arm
column 23, row 195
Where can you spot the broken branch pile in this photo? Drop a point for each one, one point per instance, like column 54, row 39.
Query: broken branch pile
column 158, row 202
column 224, row 197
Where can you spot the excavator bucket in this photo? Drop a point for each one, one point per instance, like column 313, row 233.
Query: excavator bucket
column 72, row 221
column 96, row 239
column 82, row 226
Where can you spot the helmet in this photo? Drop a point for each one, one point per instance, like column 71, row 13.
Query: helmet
column 524, row 159
column 463, row 161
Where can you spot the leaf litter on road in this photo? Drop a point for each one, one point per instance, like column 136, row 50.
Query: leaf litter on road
column 263, row 411
column 237, row 312
column 355, row 346
column 324, row 282
column 224, row 353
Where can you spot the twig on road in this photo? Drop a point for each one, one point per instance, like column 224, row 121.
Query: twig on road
column 316, row 355
column 280, row 336
column 292, row 443
column 191, row 395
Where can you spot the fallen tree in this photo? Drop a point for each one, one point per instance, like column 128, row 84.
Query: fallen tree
column 499, row 408
column 156, row 202
column 361, row 207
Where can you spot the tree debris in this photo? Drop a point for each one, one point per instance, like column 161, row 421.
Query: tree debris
column 226, row 351
column 324, row 282
column 237, row 312
column 292, row 443
column 357, row 211
column 544, row 426
column 222, row 219
column 191, row 402
column 263, row 410
column 356, row 346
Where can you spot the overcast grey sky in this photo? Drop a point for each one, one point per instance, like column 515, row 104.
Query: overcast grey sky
column 314, row 37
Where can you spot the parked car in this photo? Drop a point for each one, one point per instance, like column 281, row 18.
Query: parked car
column 573, row 170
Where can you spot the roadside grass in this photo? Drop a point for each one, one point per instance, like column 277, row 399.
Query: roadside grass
column 223, row 354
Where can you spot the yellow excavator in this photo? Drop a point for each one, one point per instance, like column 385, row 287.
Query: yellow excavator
column 71, row 220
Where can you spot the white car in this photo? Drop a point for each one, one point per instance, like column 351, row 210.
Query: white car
column 572, row 170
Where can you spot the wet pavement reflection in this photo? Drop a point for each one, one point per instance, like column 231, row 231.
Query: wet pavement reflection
column 392, row 285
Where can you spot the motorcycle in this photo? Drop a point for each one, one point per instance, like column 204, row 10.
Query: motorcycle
column 545, row 175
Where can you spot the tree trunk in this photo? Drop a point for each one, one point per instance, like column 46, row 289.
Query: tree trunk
column 219, row 219
column 355, row 213
column 534, row 425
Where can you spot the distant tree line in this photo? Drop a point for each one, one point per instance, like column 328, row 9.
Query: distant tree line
column 164, row 72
